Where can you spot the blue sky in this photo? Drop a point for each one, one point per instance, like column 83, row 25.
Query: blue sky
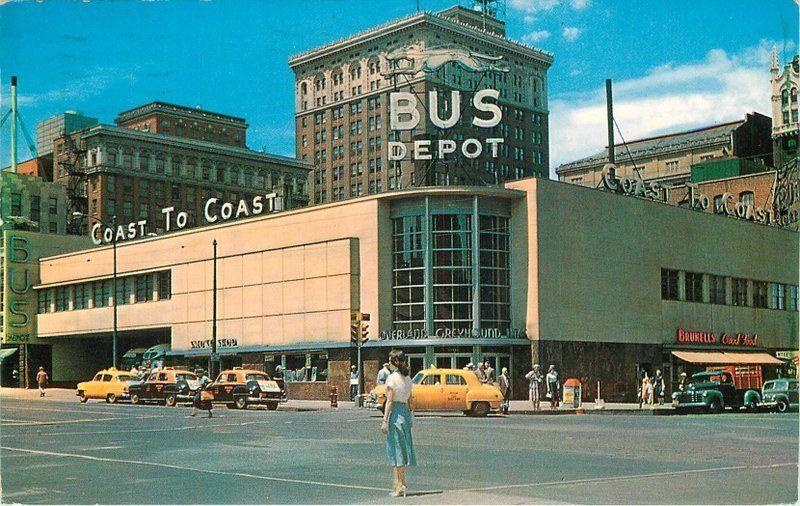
column 675, row 64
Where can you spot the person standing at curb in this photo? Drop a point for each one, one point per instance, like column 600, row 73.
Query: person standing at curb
column 659, row 387
column 534, row 378
column 41, row 379
column 353, row 382
column 398, row 420
column 552, row 386
column 480, row 372
column 647, row 391
column 682, row 382
column 504, row 382
column 489, row 372
column 383, row 375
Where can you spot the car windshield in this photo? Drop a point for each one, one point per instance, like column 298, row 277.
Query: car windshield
column 418, row 378
column 185, row 376
column 256, row 377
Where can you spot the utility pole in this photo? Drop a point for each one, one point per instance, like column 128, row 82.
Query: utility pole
column 212, row 359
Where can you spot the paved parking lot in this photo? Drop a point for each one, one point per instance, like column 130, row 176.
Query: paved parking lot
column 60, row 451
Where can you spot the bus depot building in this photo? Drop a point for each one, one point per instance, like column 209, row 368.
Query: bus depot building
column 602, row 285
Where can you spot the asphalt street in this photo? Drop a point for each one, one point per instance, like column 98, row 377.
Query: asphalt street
column 59, row 451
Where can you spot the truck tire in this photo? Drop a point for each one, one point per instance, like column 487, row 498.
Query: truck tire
column 715, row 406
column 782, row 406
column 272, row 406
column 752, row 406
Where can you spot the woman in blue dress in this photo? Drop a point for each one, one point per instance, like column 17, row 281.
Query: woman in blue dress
column 397, row 421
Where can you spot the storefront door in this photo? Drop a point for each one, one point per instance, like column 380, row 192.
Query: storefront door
column 498, row 361
column 452, row 360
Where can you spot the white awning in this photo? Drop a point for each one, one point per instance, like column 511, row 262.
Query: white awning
column 727, row 358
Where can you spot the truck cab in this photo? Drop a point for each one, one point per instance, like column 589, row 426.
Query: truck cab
column 713, row 391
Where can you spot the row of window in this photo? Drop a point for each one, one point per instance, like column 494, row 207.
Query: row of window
column 725, row 290
column 95, row 294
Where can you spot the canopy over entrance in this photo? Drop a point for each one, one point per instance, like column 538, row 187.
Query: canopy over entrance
column 727, row 358
column 7, row 352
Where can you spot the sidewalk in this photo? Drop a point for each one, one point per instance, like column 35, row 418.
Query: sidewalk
column 516, row 407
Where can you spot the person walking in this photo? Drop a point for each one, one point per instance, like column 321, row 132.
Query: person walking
column 489, row 372
column 41, row 379
column 647, row 391
column 553, row 386
column 398, row 421
column 353, row 382
column 659, row 387
column 504, row 382
column 682, row 382
column 383, row 374
column 277, row 376
column 198, row 403
column 534, row 378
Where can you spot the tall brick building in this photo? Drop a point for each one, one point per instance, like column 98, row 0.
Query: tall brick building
column 342, row 106
column 163, row 155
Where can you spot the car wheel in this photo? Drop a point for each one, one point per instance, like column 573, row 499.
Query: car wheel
column 752, row 406
column 135, row 399
column 480, row 409
column 715, row 406
column 82, row 397
column 782, row 406
column 171, row 400
column 241, row 402
column 111, row 398
column 272, row 406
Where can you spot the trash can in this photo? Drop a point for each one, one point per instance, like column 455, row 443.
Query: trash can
column 572, row 393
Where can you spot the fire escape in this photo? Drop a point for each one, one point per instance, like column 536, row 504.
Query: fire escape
column 71, row 165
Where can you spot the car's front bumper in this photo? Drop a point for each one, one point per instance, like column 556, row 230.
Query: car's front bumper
column 679, row 404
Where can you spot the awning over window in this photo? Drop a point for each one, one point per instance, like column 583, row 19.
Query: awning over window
column 7, row 352
column 727, row 358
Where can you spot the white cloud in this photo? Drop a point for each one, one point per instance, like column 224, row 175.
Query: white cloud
column 531, row 6
column 668, row 98
column 571, row 33
column 579, row 4
column 534, row 37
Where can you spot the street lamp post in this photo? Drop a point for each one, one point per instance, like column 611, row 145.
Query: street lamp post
column 113, row 227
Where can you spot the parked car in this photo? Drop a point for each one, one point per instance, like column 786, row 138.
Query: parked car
column 447, row 390
column 239, row 388
column 167, row 386
column 109, row 384
column 713, row 391
column 780, row 394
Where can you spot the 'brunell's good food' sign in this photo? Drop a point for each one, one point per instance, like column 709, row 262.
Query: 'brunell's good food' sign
column 694, row 337
column 214, row 211
column 404, row 114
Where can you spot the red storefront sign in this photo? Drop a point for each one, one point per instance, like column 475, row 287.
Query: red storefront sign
column 696, row 337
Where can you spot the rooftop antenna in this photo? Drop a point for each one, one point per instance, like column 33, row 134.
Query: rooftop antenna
column 489, row 9
column 16, row 118
column 610, row 118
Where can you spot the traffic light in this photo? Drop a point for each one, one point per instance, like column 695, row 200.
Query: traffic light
column 358, row 329
column 364, row 333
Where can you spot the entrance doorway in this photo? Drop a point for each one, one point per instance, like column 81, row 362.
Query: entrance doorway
column 498, row 361
column 452, row 360
column 416, row 363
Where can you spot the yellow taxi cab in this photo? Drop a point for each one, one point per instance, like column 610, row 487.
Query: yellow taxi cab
column 109, row 384
column 447, row 390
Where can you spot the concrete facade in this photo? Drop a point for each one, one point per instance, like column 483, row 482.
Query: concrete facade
column 288, row 282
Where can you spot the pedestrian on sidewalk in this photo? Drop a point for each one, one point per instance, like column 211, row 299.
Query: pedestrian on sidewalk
column 383, row 374
column 504, row 382
column 41, row 379
column 198, row 403
column 647, row 391
column 659, row 388
column 553, row 386
column 398, row 421
column 534, row 378
column 277, row 377
column 353, row 382
column 682, row 382
column 15, row 377
column 481, row 373
column 489, row 372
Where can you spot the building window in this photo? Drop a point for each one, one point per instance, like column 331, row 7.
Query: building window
column 144, row 287
column 164, row 285
column 760, row 294
column 739, row 295
column 451, row 251
column 16, row 204
column 694, row 287
column 669, row 284
column 777, row 296
column 494, row 273
column 717, row 289
column 77, row 293
column 62, row 298
column 791, row 300
column 101, row 292
column 43, row 303
column 408, row 273
column 36, row 207
column 123, row 294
